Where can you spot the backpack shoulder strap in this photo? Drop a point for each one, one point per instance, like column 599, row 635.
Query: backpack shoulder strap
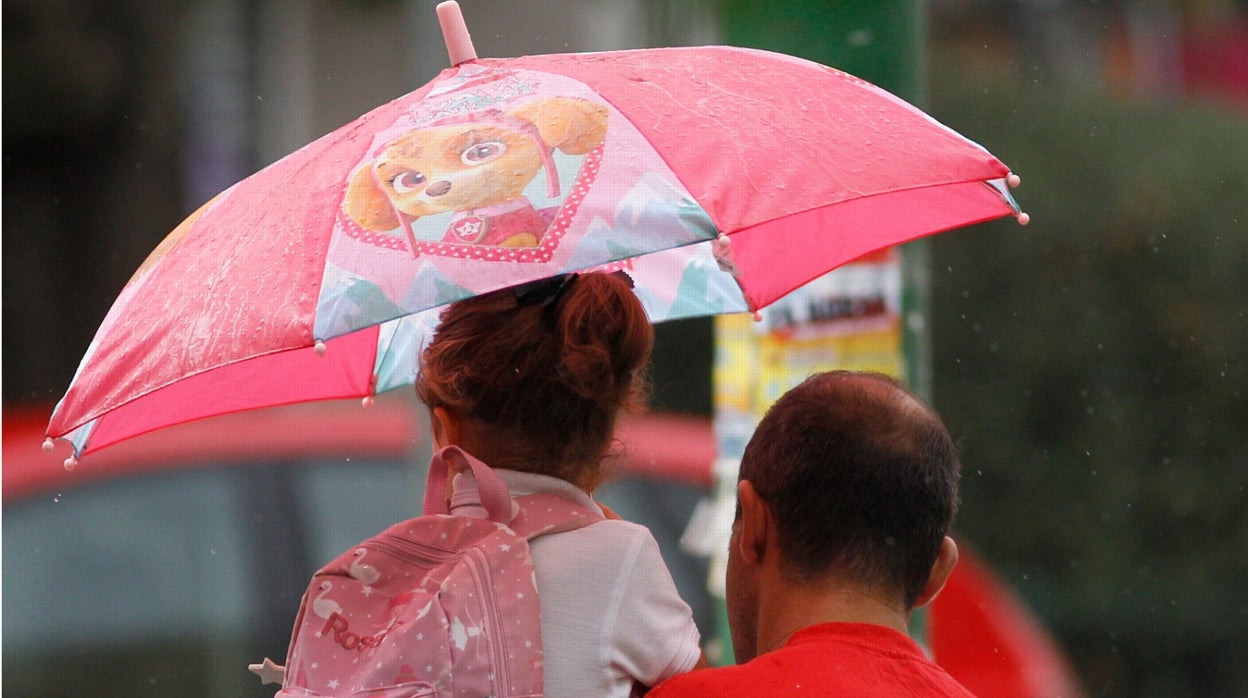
column 542, row 514
column 495, row 498
column 530, row 515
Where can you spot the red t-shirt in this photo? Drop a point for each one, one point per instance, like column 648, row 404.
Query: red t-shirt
column 831, row 659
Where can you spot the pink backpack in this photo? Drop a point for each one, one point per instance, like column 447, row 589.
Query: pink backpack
column 439, row 605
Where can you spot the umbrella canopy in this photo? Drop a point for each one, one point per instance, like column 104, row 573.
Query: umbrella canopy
column 720, row 178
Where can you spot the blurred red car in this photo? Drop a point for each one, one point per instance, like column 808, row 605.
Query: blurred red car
column 164, row 565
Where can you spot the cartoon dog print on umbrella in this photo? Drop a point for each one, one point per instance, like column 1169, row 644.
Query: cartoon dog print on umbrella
column 475, row 168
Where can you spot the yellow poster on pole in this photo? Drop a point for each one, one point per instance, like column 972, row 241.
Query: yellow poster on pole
column 847, row 319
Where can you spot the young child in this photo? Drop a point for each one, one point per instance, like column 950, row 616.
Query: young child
column 530, row 381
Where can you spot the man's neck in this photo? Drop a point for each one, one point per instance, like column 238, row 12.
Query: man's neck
column 786, row 608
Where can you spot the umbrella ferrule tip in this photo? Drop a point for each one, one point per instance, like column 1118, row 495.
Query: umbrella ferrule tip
column 459, row 46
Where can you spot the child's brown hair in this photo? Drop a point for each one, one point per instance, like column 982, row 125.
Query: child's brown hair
column 539, row 373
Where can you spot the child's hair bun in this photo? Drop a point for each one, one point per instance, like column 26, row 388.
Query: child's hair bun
column 604, row 338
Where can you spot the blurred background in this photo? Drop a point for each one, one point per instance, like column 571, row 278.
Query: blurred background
column 1092, row 366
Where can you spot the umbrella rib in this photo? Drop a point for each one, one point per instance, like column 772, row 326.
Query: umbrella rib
column 1005, row 198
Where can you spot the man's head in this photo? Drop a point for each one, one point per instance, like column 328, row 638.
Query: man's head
column 859, row 481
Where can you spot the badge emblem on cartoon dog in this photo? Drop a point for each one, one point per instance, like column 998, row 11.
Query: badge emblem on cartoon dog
column 464, row 186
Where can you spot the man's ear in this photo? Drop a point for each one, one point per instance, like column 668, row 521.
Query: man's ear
column 756, row 525
column 946, row 559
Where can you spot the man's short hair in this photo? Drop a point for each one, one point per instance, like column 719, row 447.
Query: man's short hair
column 862, row 479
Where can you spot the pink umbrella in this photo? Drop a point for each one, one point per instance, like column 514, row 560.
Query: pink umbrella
column 720, row 178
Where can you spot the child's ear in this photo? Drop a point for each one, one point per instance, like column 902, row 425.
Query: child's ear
column 447, row 427
column 365, row 202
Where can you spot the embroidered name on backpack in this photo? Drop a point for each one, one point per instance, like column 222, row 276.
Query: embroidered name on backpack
column 341, row 629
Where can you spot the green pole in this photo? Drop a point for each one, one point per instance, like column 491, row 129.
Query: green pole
column 878, row 40
column 882, row 41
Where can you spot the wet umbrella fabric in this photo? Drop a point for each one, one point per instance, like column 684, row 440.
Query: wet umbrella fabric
column 719, row 178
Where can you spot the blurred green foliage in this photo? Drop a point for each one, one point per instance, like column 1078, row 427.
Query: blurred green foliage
column 1094, row 368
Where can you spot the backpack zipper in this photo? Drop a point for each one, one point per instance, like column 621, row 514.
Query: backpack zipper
column 481, row 575
column 410, row 551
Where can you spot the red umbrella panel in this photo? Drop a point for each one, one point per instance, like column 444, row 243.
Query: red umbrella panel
column 721, row 178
